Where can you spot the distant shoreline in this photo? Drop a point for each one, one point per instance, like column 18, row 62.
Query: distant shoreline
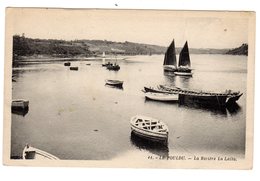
column 50, row 59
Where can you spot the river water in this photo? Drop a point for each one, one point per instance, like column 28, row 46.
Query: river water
column 74, row 115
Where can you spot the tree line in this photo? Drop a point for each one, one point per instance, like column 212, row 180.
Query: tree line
column 23, row 46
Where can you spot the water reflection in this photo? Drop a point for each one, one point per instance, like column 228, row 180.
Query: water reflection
column 170, row 78
column 153, row 147
column 215, row 110
column 183, row 81
column 115, row 87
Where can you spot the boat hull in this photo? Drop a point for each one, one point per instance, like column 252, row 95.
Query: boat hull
column 148, row 134
column 31, row 153
column 169, row 68
column 74, row 68
column 233, row 99
column 20, row 104
column 67, row 64
column 114, row 83
column 113, row 67
column 203, row 100
column 183, row 73
column 207, row 99
column 162, row 97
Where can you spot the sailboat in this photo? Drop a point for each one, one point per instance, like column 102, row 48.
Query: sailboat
column 114, row 66
column 170, row 64
column 184, row 62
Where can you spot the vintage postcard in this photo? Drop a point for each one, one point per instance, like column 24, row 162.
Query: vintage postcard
column 129, row 88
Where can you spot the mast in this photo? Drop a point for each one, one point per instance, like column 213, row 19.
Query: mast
column 184, row 58
column 170, row 55
column 103, row 58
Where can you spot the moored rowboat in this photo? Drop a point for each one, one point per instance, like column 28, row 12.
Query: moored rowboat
column 20, row 104
column 161, row 96
column 149, row 128
column 74, row 68
column 67, row 64
column 114, row 82
column 37, row 154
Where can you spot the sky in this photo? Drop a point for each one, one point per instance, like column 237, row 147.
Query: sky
column 200, row 29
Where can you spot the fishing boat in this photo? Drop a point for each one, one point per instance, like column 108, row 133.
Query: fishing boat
column 20, row 104
column 169, row 63
column 114, row 66
column 74, row 68
column 184, row 62
column 206, row 98
column 149, row 128
column 117, row 83
column 30, row 152
column 164, row 97
column 67, row 64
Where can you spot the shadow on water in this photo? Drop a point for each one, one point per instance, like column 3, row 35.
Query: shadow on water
column 153, row 147
column 179, row 81
column 183, row 81
column 214, row 110
column 21, row 112
column 233, row 108
column 115, row 87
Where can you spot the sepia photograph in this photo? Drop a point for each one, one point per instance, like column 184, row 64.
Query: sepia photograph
column 129, row 88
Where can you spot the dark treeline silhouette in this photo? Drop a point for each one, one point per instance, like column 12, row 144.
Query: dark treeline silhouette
column 242, row 50
column 23, row 46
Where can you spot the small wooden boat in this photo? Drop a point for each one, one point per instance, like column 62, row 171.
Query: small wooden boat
column 37, row 154
column 118, row 83
column 88, row 64
column 149, row 128
column 113, row 67
column 20, row 104
column 67, row 64
column 161, row 96
column 74, row 68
